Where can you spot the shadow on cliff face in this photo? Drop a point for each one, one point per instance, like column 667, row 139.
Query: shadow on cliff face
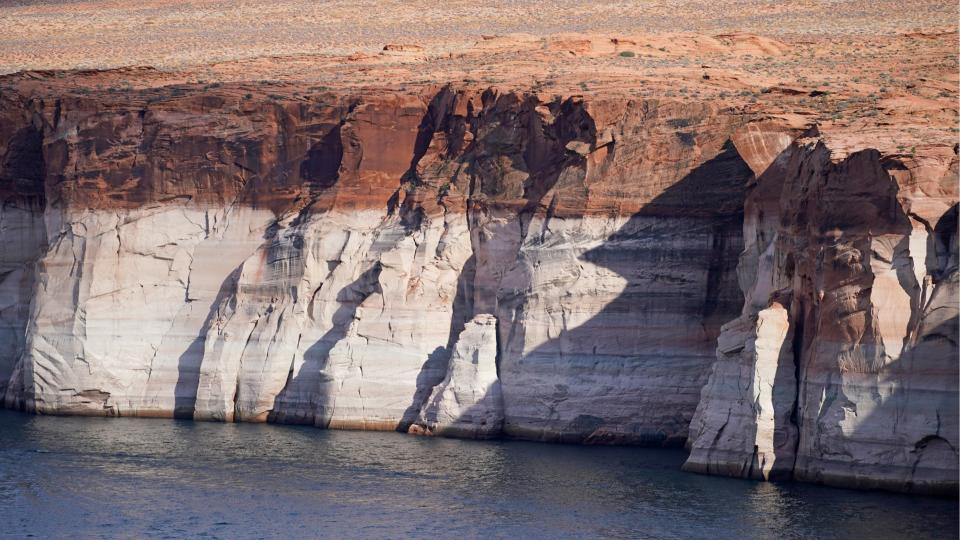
column 894, row 428
column 534, row 147
column 189, row 363
column 906, row 408
column 22, row 203
column 435, row 368
column 23, row 169
column 867, row 412
column 302, row 400
column 711, row 196
column 678, row 255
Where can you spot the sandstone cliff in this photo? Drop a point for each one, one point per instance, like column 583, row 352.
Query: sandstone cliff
column 481, row 263
column 843, row 366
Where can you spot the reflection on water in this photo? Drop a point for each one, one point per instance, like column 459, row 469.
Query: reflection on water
column 92, row 477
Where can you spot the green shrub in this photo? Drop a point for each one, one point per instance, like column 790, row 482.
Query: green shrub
column 628, row 54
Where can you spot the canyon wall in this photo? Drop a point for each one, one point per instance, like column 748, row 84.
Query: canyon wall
column 843, row 366
column 482, row 263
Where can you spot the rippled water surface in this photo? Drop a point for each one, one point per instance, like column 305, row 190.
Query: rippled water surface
column 93, row 477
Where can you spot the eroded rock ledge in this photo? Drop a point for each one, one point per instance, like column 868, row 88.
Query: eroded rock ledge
column 480, row 263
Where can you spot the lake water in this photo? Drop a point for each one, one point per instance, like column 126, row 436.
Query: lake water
column 119, row 477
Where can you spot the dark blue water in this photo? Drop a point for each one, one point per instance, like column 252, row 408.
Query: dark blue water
column 134, row 478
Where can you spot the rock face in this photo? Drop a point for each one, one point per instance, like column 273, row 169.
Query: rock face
column 209, row 256
column 468, row 402
column 483, row 263
column 842, row 368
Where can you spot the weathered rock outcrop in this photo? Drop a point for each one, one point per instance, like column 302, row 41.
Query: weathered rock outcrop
column 468, row 402
column 843, row 367
column 481, row 263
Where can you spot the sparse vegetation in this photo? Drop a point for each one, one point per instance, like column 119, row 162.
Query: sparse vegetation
column 822, row 72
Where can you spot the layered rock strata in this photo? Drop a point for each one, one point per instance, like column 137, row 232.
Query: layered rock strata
column 220, row 258
column 843, row 366
column 482, row 263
